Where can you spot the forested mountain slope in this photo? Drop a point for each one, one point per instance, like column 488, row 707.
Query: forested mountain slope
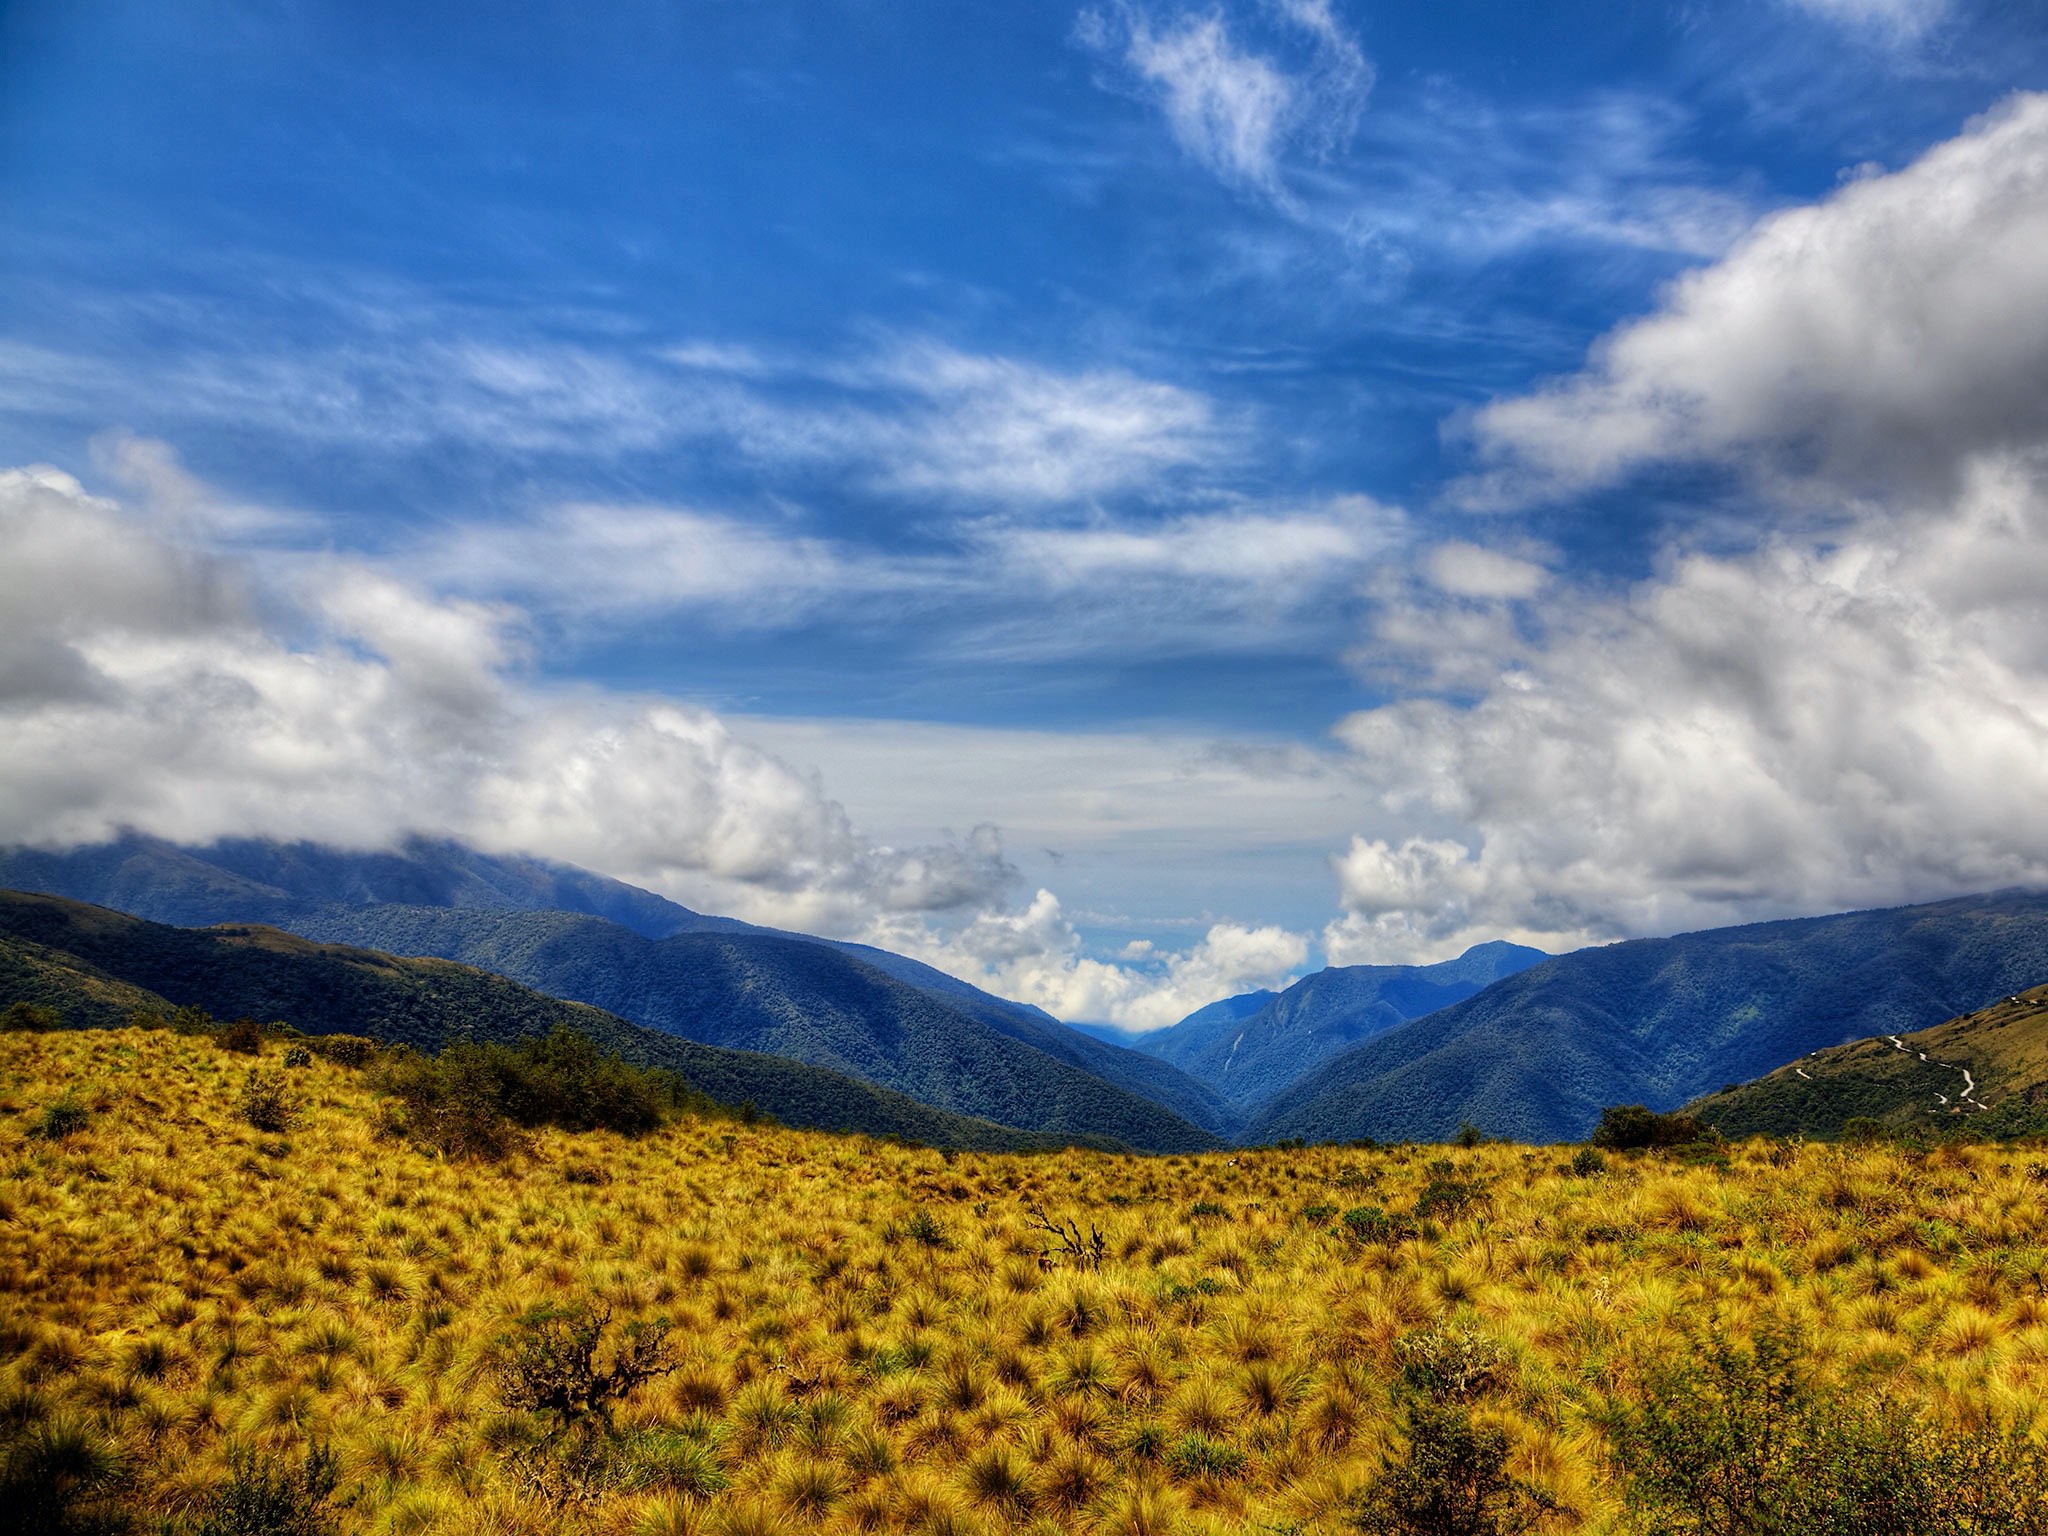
column 1250, row 1057
column 1660, row 1021
column 95, row 966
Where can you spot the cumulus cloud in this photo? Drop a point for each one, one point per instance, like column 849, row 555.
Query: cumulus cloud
column 152, row 683
column 1470, row 570
column 1035, row 955
column 1853, row 710
column 1891, row 332
column 1801, row 728
column 1235, row 110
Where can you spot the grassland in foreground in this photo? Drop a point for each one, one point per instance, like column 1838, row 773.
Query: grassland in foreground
column 862, row 1337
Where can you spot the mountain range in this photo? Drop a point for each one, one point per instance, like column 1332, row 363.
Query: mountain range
column 888, row 1019
column 1502, row 1038
column 96, row 967
column 1538, row 1055
column 1251, row 1047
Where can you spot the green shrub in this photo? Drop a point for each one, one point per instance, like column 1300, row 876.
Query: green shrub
column 558, row 1362
column 267, row 1496
column 1448, row 1193
column 1450, row 1362
column 347, row 1050
column 30, row 1018
column 244, row 1037
column 1449, row 1478
column 62, row 1118
column 266, row 1103
column 1587, row 1162
column 298, row 1056
column 1629, row 1127
column 1740, row 1436
column 1370, row 1224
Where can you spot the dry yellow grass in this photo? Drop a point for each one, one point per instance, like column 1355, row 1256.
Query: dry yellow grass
column 872, row 1340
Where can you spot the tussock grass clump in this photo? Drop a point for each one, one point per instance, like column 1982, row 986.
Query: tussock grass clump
column 663, row 1322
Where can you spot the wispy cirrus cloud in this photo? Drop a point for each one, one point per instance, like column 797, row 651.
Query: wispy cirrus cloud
column 1236, row 110
column 902, row 416
column 1239, row 577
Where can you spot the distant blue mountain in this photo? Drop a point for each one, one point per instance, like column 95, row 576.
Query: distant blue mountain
column 1249, row 1050
column 1537, row 1056
column 925, row 1033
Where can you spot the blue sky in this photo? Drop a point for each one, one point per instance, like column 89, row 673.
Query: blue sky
column 1094, row 478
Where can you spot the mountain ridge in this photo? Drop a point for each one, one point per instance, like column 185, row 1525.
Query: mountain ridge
column 96, row 965
column 351, row 896
column 1538, row 1055
column 1249, row 1057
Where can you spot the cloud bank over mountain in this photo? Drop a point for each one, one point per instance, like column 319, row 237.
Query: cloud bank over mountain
column 1839, row 695
column 154, row 680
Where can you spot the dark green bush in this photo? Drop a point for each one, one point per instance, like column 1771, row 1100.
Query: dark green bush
column 347, row 1050
column 1450, row 1478
column 266, row 1103
column 30, row 1018
column 244, row 1037
column 60, row 1119
column 267, row 1496
column 1448, row 1193
column 1587, row 1161
column 1450, row 1362
column 558, row 1362
column 472, row 1100
column 1738, row 1436
column 1370, row 1224
column 298, row 1056
column 1629, row 1127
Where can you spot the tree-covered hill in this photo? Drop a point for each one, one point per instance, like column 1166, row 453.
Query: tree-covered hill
column 1661, row 1021
column 95, row 966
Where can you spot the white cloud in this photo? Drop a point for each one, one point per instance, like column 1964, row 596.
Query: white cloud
column 1034, row 955
column 1804, row 728
column 1887, row 333
column 907, row 417
column 1241, row 579
column 1258, row 548
column 1468, row 570
column 1852, row 711
column 149, row 681
column 1236, row 111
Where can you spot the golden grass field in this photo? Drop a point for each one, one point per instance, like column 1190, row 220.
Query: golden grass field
column 871, row 1339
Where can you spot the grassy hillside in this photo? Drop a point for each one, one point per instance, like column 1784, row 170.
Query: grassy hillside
column 1250, row 1057
column 849, row 1337
column 1986, row 1072
column 791, row 997
column 1661, row 1021
column 96, row 966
